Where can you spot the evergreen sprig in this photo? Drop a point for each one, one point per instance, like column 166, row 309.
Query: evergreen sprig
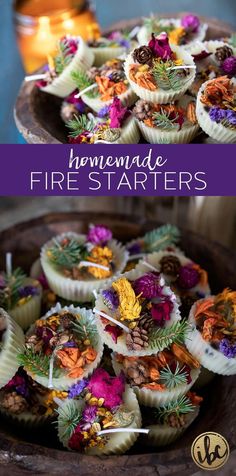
column 162, row 237
column 163, row 120
column 79, row 124
column 82, row 81
column 154, row 25
column 161, row 338
column 9, row 295
column 63, row 57
column 165, row 77
column 36, row 363
column 69, row 416
column 178, row 407
column 67, row 255
column 86, row 329
column 173, row 379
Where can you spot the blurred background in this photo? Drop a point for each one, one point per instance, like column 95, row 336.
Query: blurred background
column 213, row 217
column 38, row 22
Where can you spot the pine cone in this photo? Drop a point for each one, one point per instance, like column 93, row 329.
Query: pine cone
column 143, row 110
column 176, row 421
column 93, row 72
column 146, row 323
column 68, row 111
column 223, row 52
column 143, row 55
column 116, row 76
column 137, row 339
column 137, row 373
column 170, row 265
column 14, row 403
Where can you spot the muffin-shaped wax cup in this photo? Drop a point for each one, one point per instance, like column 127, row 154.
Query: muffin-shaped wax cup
column 212, row 336
column 99, row 85
column 107, row 48
column 114, row 124
column 216, row 103
column 11, row 340
column 187, row 279
column 20, row 296
column 160, row 73
column 24, row 402
column 72, row 55
column 62, row 348
column 138, row 314
column 161, row 378
column 77, row 265
column 100, row 417
column 170, row 421
column 174, row 123
column 183, row 31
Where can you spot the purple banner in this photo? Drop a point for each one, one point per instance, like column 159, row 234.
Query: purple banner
column 158, row 170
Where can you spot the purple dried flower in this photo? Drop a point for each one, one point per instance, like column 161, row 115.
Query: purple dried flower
column 44, row 333
column 134, row 249
column 148, row 285
column 76, row 389
column 188, row 277
column 160, row 47
column 191, row 23
column 89, row 414
column 104, row 111
column 229, row 66
column 111, row 299
column 19, row 384
column 99, row 235
column 70, row 344
column 216, row 114
column 27, row 291
column 229, row 350
column 231, row 117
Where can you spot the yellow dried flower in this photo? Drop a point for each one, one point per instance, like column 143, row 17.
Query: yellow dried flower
column 179, row 62
column 176, row 35
column 129, row 307
column 102, row 256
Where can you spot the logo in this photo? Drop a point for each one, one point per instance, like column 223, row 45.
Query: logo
column 210, row 451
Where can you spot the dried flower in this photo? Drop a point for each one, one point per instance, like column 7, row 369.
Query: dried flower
column 27, row 291
column 114, row 331
column 135, row 249
column 76, row 439
column 188, row 277
column 101, row 385
column 99, row 235
column 104, row 111
column 218, row 115
column 110, row 299
column 117, row 113
column 143, row 55
column 191, row 23
column 103, row 256
column 160, row 47
column 148, row 285
column 229, row 66
column 76, row 389
column 89, row 413
column 161, row 312
column 202, row 55
column 129, row 306
column 228, row 349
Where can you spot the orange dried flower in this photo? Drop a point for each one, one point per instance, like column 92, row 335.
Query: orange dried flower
column 182, row 354
column 208, row 327
column 217, row 91
column 90, row 354
column 68, row 357
column 154, row 374
column 154, row 386
column 194, row 398
column 203, row 307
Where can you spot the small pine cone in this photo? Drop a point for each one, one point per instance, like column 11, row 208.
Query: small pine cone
column 137, row 373
column 93, row 72
column 143, row 110
column 137, row 339
column 67, row 321
column 223, row 53
column 146, row 322
column 68, row 111
column 170, row 265
column 116, row 76
column 14, row 403
column 176, row 421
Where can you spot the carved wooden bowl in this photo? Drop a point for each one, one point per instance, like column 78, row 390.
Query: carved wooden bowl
column 37, row 114
column 38, row 452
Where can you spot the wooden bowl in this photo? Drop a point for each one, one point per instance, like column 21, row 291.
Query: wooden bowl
column 38, row 452
column 37, row 114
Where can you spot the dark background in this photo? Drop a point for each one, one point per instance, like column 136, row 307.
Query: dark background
column 108, row 11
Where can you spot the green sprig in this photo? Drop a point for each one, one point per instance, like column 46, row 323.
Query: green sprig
column 163, row 120
column 69, row 416
column 165, row 77
column 63, row 57
column 86, row 329
column 68, row 255
column 162, row 237
column 173, row 379
column 178, row 407
column 9, row 295
column 79, row 124
column 82, row 81
column 154, row 25
column 36, row 363
column 161, row 338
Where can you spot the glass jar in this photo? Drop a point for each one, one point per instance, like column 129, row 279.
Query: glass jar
column 40, row 23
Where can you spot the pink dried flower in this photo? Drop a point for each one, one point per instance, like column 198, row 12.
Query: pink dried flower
column 99, row 235
column 188, row 277
column 101, row 385
column 114, row 332
column 148, row 285
column 161, row 312
column 117, row 113
column 160, row 47
column 191, row 23
column 229, row 66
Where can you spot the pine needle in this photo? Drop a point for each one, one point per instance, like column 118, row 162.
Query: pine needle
column 13, row 282
column 161, row 338
column 173, row 379
column 166, row 78
column 162, row 237
column 63, row 58
column 82, row 81
column 68, row 255
column 163, row 121
column 36, row 363
column 79, row 124
column 69, row 416
column 86, row 329
column 179, row 407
